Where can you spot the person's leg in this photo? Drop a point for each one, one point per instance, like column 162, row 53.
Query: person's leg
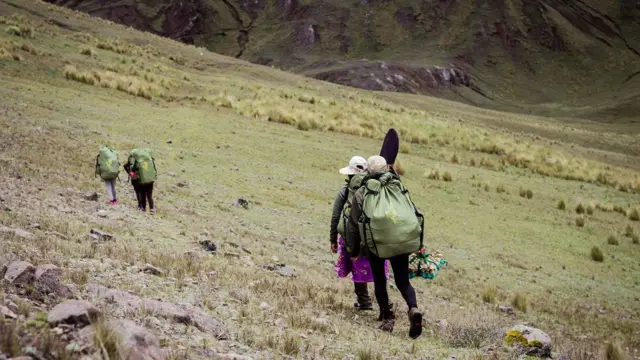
column 143, row 197
column 362, row 294
column 113, row 189
column 400, row 266
column 109, row 185
column 136, row 189
column 152, row 209
column 382, row 297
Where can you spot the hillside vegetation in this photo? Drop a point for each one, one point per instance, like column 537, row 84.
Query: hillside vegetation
column 536, row 213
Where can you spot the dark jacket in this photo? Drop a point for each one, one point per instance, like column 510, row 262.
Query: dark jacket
column 338, row 205
column 354, row 229
column 128, row 169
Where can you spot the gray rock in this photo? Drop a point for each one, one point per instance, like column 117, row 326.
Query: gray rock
column 182, row 184
column 150, row 269
column 35, row 226
column 100, row 235
column 6, row 313
column 48, row 280
column 91, row 196
column 20, row 273
column 506, row 309
column 287, row 271
column 79, row 312
column 102, row 214
column 540, row 341
column 21, row 233
column 137, row 342
column 232, row 356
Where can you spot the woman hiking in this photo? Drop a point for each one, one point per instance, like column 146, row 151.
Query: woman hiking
column 359, row 269
column 377, row 167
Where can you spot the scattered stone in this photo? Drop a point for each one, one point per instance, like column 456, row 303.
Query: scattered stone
column 91, row 196
column 172, row 174
column 232, row 254
column 7, row 313
column 182, row 184
column 275, row 259
column 20, row 273
column 17, row 232
column 242, row 203
column 72, row 312
column 100, row 235
column 3, row 270
column 102, row 214
column 136, row 341
column 232, row 356
column 208, row 245
column 7, row 209
column 34, row 226
column 183, row 313
column 169, row 142
column 57, row 234
column 264, row 306
column 286, row 271
column 245, row 250
column 321, row 321
column 232, row 244
column 150, row 269
column 507, row 309
column 281, row 323
column 442, row 325
column 48, row 279
column 530, row 341
column 192, row 256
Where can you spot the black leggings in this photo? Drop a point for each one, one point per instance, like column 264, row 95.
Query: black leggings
column 400, row 266
column 144, row 192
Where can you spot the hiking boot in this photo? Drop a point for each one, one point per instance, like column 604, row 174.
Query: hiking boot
column 388, row 321
column 112, row 202
column 152, row 211
column 380, row 317
column 364, row 301
column 415, row 323
column 362, row 307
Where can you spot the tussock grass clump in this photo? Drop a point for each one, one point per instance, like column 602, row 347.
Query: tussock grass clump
column 487, row 188
column 634, row 214
column 434, row 175
column 108, row 79
column 13, row 30
column 580, row 209
column 471, row 331
column 501, row 189
column 454, row 159
column 405, row 148
column 561, row 205
column 290, row 345
column 106, row 339
column 620, row 210
column 520, row 302
column 526, row 193
column 87, row 51
column 613, row 351
column 635, row 239
column 596, row 254
column 489, row 295
column 369, row 354
column 447, row 176
column 628, row 231
column 612, row 240
column 472, row 162
column 71, row 73
column 590, row 209
column 604, row 207
column 580, row 221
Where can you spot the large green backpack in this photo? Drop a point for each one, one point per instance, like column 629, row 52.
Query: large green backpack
column 390, row 224
column 143, row 164
column 107, row 163
column 343, row 225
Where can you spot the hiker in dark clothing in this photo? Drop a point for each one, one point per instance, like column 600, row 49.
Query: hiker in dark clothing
column 143, row 192
column 360, row 270
column 399, row 264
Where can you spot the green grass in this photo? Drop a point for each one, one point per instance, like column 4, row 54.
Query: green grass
column 224, row 146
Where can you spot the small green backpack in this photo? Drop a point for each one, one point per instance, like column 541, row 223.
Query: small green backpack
column 143, row 164
column 343, row 225
column 107, row 163
column 390, row 224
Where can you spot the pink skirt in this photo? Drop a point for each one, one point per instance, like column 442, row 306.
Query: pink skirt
column 360, row 270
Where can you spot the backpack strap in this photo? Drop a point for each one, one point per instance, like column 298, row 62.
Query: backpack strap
column 97, row 167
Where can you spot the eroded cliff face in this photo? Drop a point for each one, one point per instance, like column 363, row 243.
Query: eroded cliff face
column 403, row 38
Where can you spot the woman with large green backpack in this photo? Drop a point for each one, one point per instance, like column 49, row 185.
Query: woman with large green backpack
column 141, row 167
column 108, row 167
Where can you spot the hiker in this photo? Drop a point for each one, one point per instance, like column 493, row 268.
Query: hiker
column 360, row 270
column 379, row 205
column 108, row 167
column 142, row 172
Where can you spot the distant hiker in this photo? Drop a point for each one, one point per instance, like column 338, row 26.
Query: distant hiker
column 360, row 269
column 108, row 167
column 390, row 227
column 142, row 170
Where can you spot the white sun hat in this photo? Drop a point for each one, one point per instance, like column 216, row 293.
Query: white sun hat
column 357, row 164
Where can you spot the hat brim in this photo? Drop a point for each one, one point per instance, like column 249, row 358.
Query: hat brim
column 347, row 171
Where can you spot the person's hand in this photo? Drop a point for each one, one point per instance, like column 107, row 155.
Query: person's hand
column 354, row 259
column 334, row 248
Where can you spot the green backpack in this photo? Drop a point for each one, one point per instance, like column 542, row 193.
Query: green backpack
column 107, row 163
column 353, row 186
column 143, row 164
column 390, row 224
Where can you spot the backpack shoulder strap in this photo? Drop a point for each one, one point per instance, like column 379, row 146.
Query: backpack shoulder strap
column 97, row 166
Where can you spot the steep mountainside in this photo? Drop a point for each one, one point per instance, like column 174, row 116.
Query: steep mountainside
column 542, row 56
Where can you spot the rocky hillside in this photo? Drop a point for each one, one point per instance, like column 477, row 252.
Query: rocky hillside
column 490, row 53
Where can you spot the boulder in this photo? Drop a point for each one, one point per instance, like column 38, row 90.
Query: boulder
column 100, row 235
column 48, row 281
column 20, row 273
column 137, row 342
column 5, row 312
column 80, row 312
column 150, row 269
column 529, row 340
column 91, row 196
column 21, row 233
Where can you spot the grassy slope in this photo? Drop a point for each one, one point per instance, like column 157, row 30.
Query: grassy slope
column 52, row 126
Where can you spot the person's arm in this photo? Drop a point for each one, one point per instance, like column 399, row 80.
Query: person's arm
column 338, row 205
column 354, row 217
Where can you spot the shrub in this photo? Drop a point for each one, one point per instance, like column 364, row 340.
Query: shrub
column 561, row 204
column 447, row 176
column 13, row 30
column 303, row 125
column 523, row 192
column 472, row 162
column 580, row 209
column 590, row 209
column 434, row 175
column 628, row 232
column 405, row 148
column 489, row 295
column 580, row 221
column 613, row 351
column 87, row 52
column 369, row 354
column 596, row 254
column 634, row 215
column 487, row 188
column 612, row 240
column 635, row 239
column 454, row 159
column 520, row 302
column 501, row 189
